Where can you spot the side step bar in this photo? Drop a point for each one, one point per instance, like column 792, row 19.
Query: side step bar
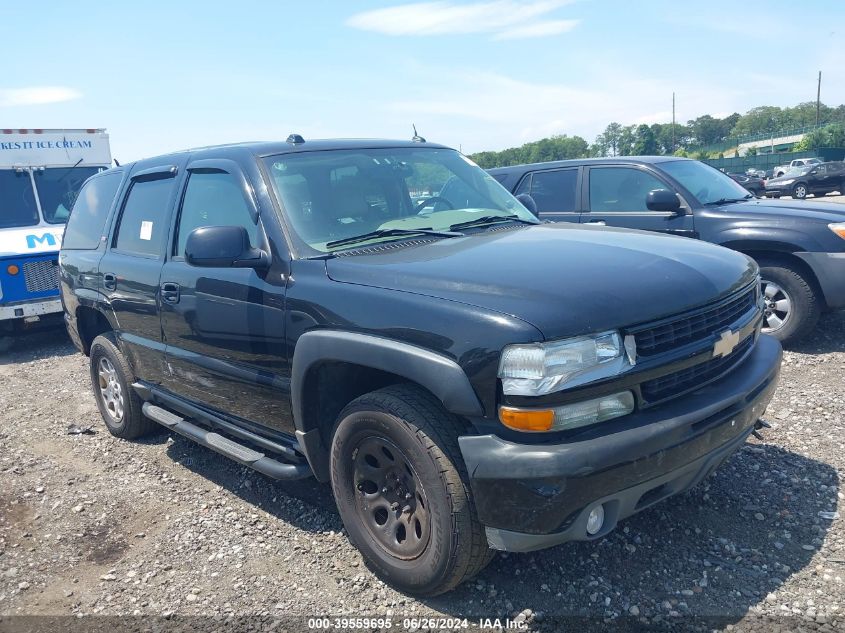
column 223, row 445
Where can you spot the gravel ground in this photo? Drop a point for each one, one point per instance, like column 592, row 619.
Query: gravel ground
column 90, row 524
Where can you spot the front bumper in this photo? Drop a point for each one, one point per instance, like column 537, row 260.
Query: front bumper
column 829, row 269
column 531, row 496
column 30, row 309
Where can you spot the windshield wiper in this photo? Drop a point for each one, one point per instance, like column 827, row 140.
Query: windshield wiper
column 489, row 219
column 390, row 233
column 727, row 200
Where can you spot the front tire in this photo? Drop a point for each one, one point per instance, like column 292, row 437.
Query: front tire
column 403, row 492
column 799, row 191
column 111, row 380
column 792, row 308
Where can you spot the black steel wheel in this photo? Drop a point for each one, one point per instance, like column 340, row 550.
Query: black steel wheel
column 403, row 492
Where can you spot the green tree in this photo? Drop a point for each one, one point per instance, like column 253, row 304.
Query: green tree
column 645, row 143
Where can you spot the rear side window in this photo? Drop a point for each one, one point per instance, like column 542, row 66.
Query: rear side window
column 143, row 224
column 213, row 199
column 555, row 190
column 88, row 217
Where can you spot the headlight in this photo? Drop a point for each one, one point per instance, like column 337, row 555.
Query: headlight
column 838, row 228
column 540, row 368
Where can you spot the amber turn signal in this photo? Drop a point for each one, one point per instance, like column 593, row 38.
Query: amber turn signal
column 12, row 269
column 527, row 419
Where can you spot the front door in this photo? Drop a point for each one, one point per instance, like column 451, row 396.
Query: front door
column 616, row 196
column 224, row 327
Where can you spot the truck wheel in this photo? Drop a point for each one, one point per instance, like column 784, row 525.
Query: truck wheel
column 111, row 379
column 792, row 307
column 799, row 191
column 403, row 493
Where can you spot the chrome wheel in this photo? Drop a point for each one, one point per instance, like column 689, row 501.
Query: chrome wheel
column 778, row 306
column 110, row 390
column 390, row 500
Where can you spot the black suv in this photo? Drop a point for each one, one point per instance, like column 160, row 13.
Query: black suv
column 800, row 247
column 386, row 317
column 818, row 179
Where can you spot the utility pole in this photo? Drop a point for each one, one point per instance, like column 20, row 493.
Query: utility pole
column 818, row 99
column 673, row 122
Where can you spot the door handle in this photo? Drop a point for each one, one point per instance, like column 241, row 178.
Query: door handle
column 110, row 281
column 599, row 222
column 170, row 292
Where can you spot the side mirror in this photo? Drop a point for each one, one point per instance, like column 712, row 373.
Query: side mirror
column 528, row 202
column 223, row 247
column 663, row 200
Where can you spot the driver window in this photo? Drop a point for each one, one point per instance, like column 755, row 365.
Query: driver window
column 213, row 199
column 621, row 189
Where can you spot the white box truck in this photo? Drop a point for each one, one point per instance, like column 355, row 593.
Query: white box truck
column 41, row 172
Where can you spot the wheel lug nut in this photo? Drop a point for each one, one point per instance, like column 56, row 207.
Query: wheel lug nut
column 406, row 508
column 394, row 506
column 407, row 495
column 384, row 491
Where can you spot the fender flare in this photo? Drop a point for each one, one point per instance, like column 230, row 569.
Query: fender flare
column 440, row 375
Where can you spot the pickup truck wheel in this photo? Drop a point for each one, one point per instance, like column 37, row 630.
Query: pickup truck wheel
column 792, row 308
column 403, row 493
column 799, row 191
column 111, row 379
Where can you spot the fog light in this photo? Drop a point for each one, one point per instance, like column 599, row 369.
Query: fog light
column 595, row 520
column 12, row 269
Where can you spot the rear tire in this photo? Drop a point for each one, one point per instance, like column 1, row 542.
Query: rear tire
column 111, row 380
column 792, row 308
column 403, row 492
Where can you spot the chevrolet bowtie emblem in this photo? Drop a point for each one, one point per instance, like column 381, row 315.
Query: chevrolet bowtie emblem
column 728, row 340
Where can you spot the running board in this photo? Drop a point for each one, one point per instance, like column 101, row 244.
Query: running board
column 223, row 445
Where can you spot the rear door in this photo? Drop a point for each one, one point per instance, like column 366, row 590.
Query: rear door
column 225, row 327
column 615, row 195
column 130, row 269
column 555, row 192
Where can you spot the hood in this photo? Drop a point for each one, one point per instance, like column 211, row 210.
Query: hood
column 31, row 240
column 565, row 279
column 809, row 209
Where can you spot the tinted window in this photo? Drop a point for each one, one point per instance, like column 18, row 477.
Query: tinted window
column 213, row 199
column 143, row 224
column 621, row 189
column 85, row 226
column 17, row 201
column 57, row 190
column 554, row 190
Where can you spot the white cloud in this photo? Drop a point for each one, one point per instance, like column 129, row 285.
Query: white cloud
column 505, row 19
column 537, row 29
column 36, row 95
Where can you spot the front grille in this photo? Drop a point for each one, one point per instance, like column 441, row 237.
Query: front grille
column 41, row 276
column 693, row 326
column 674, row 384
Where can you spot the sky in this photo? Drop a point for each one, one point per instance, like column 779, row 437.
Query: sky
column 475, row 75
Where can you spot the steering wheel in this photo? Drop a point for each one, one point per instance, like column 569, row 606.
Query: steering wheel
column 423, row 203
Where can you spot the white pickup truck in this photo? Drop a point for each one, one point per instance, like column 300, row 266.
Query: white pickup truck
column 780, row 170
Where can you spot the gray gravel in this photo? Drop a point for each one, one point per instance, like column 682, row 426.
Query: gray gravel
column 94, row 525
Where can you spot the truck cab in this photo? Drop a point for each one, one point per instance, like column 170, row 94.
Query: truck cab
column 41, row 172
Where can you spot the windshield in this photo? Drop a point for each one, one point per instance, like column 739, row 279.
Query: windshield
column 17, row 201
column 706, row 183
column 329, row 196
column 58, row 188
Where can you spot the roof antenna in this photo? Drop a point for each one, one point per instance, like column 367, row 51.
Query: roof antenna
column 295, row 139
column 116, row 163
column 416, row 138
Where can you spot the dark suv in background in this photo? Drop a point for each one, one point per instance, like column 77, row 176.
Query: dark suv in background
column 799, row 246
column 818, row 179
column 384, row 316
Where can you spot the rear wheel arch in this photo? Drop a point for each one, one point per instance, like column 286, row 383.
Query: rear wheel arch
column 90, row 324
